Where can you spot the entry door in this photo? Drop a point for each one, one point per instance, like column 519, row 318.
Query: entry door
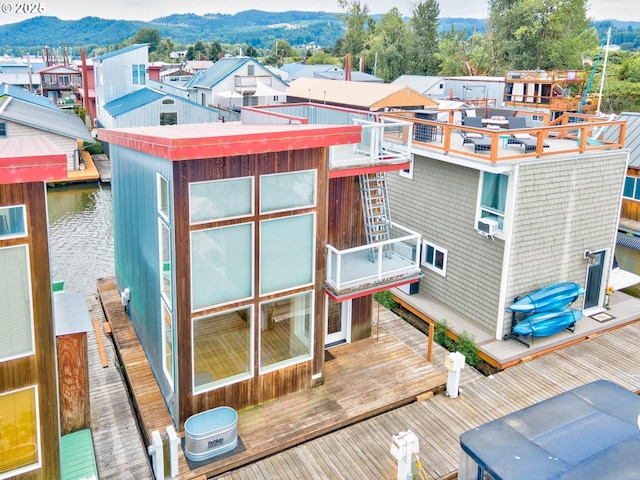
column 338, row 322
column 593, row 288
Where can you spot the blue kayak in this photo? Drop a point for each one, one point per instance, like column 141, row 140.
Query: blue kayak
column 551, row 298
column 547, row 323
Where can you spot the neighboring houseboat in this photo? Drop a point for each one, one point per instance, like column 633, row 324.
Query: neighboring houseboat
column 501, row 218
column 630, row 212
column 29, row 421
column 241, row 250
column 125, row 96
column 26, row 115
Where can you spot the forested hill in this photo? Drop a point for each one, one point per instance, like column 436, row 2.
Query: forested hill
column 252, row 27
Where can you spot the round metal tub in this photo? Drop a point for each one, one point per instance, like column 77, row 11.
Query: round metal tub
column 210, row 433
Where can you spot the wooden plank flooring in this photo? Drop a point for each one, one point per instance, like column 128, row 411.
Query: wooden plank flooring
column 362, row 380
column 119, row 449
column 362, row 450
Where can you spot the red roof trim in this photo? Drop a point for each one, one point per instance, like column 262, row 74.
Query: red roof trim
column 370, row 291
column 351, row 172
column 179, row 145
column 31, row 159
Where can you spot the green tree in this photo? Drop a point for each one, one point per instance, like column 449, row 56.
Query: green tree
column 214, row 50
column 545, row 34
column 322, row 58
column 358, row 24
column 388, row 43
column 147, row 35
column 450, row 54
column 424, row 38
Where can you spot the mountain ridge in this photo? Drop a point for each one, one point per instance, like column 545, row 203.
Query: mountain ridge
column 252, row 27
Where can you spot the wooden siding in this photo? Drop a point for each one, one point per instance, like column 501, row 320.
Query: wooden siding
column 260, row 388
column 73, row 382
column 346, row 230
column 563, row 209
column 38, row 369
column 439, row 202
column 631, row 208
column 66, row 144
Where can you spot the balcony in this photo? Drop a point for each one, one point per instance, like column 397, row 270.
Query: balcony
column 365, row 269
column 385, row 143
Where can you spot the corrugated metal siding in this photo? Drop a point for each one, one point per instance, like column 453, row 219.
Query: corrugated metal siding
column 136, row 244
column 113, row 75
column 563, row 208
column 632, row 137
column 66, row 144
column 440, row 203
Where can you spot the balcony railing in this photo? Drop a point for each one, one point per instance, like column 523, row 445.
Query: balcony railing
column 367, row 267
column 570, row 133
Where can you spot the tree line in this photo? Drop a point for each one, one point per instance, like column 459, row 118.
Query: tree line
column 519, row 35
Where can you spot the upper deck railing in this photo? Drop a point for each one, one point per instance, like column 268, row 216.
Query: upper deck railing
column 384, row 141
column 570, row 133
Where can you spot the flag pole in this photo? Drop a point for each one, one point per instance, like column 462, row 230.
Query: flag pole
column 604, row 70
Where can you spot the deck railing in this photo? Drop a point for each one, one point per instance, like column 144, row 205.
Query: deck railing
column 571, row 133
column 371, row 265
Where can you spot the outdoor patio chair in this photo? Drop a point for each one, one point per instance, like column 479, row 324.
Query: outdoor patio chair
column 528, row 141
column 479, row 141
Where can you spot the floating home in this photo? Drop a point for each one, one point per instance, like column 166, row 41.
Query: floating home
column 29, row 421
column 241, row 251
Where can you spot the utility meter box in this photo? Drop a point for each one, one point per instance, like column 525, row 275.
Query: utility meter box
column 454, row 361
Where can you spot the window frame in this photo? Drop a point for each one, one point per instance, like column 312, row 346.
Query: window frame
column 408, row 173
column 432, row 266
column 169, row 375
column 25, row 232
column 314, row 202
column 240, row 377
column 252, row 193
column 483, row 211
column 31, row 320
column 3, row 130
column 163, row 191
column 38, row 464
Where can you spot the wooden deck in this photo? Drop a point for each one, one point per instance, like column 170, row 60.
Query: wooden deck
column 362, row 380
column 363, row 449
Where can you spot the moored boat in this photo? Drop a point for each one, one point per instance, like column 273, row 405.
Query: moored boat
column 551, row 298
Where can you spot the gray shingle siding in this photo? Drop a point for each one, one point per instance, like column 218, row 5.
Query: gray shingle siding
column 440, row 203
column 576, row 210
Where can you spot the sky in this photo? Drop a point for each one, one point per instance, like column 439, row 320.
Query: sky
column 148, row 10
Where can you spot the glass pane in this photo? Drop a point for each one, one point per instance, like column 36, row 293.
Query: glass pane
column 163, row 196
column 287, row 191
column 429, row 255
column 222, row 348
column 165, row 261
column 286, row 253
column 494, row 191
column 220, row 199
column 636, row 193
column 167, row 346
column 221, row 265
column 12, row 221
column 18, row 430
column 439, row 260
column 286, row 330
column 16, row 323
column 629, row 184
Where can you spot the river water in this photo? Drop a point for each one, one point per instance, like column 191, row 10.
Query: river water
column 81, row 236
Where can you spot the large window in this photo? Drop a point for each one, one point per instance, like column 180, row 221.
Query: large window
column 287, row 191
column 222, row 349
column 434, row 258
column 221, row 265
column 220, row 199
column 286, row 331
column 19, row 432
column 12, row 221
column 287, row 253
column 139, row 74
column 168, row 118
column 163, row 197
column 3, row 129
column 16, row 318
column 493, row 196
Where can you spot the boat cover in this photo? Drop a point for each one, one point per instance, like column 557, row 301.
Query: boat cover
column 588, row 433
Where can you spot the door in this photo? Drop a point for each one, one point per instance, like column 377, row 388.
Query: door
column 338, row 322
column 593, row 288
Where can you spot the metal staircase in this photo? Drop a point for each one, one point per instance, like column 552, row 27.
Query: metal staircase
column 375, row 209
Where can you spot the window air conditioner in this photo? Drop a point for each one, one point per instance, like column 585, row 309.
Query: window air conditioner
column 487, row 226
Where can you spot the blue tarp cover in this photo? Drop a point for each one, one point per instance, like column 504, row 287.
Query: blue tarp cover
column 590, row 432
